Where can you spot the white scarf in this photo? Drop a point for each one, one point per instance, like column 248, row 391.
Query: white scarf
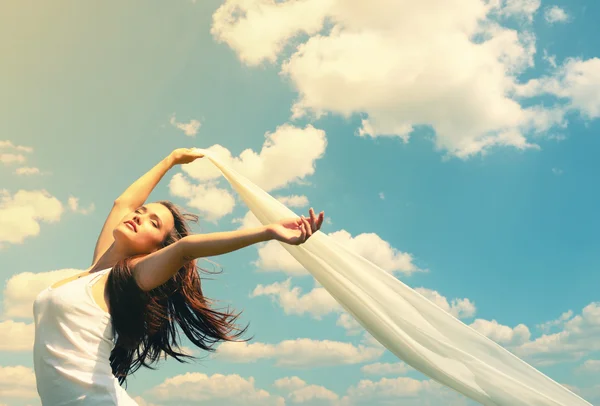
column 406, row 323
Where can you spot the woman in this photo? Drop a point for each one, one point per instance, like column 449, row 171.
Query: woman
column 94, row 329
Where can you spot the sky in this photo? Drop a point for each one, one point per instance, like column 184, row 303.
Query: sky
column 456, row 149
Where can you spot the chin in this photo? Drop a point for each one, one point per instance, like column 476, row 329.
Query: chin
column 121, row 233
column 123, row 236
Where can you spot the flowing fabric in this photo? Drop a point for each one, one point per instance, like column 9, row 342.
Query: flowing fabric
column 405, row 322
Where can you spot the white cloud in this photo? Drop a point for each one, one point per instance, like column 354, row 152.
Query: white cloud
column 9, row 145
column 399, row 96
column 520, row 8
column 21, row 214
column 272, row 257
column 379, row 368
column 26, row 170
column 289, row 383
column 73, row 203
column 300, row 392
column 16, row 336
column 9, row 159
column 502, row 334
column 576, row 81
column 258, row 30
column 551, row 59
column 190, row 129
column 459, row 308
column 21, row 290
column 294, row 200
column 318, row 302
column 349, row 323
column 17, row 382
column 200, row 389
column 371, row 341
column 556, row 14
column 579, row 81
column 212, row 201
column 311, row 393
column 15, row 156
column 462, row 53
column 248, row 221
column 556, row 323
column 576, row 339
column 557, row 171
column 398, row 387
column 299, row 353
column 378, row 251
column 287, row 156
column 381, row 196
column 401, row 390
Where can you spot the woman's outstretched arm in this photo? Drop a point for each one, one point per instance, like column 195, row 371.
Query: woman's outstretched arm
column 136, row 194
column 158, row 267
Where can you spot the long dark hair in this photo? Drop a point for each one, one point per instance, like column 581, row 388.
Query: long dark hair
column 143, row 323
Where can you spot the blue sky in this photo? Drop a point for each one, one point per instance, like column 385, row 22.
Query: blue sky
column 468, row 156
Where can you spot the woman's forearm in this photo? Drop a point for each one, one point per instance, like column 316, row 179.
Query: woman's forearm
column 138, row 192
column 207, row 245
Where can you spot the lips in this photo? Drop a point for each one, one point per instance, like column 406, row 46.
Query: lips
column 132, row 225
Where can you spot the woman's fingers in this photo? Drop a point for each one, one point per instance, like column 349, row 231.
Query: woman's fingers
column 308, row 227
column 320, row 220
column 302, row 233
column 317, row 220
column 313, row 220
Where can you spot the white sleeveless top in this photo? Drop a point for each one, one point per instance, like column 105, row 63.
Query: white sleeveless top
column 73, row 342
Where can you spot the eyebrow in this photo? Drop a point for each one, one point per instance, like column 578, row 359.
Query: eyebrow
column 154, row 216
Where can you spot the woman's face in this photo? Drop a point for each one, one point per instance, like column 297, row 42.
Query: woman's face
column 143, row 230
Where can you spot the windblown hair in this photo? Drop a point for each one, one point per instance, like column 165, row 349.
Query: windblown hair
column 143, row 323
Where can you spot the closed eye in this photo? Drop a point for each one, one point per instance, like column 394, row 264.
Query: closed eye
column 143, row 209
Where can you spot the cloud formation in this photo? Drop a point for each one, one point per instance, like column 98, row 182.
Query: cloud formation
column 465, row 64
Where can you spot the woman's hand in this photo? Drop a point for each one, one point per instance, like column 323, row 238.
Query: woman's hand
column 295, row 231
column 185, row 155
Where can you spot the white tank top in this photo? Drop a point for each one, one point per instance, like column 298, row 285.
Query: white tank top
column 73, row 342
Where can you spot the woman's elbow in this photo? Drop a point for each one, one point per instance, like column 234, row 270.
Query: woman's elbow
column 184, row 248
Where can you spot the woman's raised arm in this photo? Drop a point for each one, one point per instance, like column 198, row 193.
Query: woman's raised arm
column 136, row 194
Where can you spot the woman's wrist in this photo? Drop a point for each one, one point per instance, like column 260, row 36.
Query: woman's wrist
column 169, row 160
column 269, row 232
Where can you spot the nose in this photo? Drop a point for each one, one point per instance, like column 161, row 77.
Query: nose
column 137, row 220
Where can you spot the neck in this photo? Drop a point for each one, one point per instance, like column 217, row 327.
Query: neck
column 112, row 255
